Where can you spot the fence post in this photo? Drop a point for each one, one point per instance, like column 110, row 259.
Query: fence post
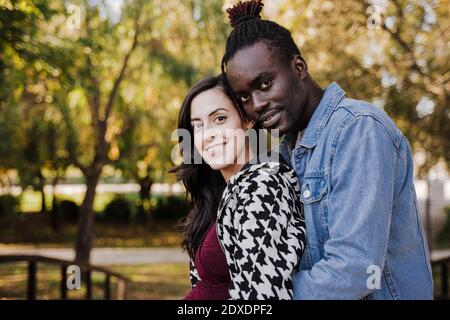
column 88, row 285
column 107, row 287
column 31, row 292
column 444, row 281
column 63, row 282
column 121, row 289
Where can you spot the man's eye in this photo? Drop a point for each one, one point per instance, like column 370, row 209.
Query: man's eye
column 265, row 84
column 244, row 98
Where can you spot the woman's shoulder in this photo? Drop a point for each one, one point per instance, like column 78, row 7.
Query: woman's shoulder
column 259, row 178
column 265, row 172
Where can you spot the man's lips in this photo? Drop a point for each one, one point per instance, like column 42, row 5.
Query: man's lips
column 270, row 118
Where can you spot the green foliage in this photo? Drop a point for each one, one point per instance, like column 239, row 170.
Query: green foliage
column 30, row 77
column 119, row 209
column 398, row 63
column 67, row 210
column 443, row 239
column 170, row 208
column 9, row 205
column 19, row 29
column 167, row 208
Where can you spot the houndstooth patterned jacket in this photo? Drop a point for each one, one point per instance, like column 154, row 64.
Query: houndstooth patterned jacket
column 261, row 229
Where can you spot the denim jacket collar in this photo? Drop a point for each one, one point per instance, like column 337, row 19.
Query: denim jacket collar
column 331, row 98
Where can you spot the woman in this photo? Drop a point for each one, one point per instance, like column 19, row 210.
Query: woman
column 245, row 232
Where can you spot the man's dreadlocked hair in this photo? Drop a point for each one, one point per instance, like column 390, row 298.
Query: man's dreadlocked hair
column 249, row 28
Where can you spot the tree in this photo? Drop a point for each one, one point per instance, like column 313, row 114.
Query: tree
column 98, row 82
column 84, row 97
column 394, row 53
column 147, row 37
column 29, row 68
column 144, row 153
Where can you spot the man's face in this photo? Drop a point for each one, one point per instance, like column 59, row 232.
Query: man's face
column 270, row 90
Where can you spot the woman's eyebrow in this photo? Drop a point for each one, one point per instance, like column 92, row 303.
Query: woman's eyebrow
column 217, row 110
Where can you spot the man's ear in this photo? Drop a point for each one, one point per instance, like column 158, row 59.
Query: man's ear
column 300, row 66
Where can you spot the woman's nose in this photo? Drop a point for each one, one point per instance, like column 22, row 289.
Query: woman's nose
column 209, row 135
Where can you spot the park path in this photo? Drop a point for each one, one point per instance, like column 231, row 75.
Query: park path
column 124, row 256
column 440, row 253
column 107, row 256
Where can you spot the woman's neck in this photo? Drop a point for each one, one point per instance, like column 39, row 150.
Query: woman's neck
column 231, row 170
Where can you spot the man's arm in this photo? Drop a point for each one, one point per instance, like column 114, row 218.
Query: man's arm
column 359, row 213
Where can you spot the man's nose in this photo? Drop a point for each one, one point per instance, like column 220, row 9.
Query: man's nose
column 259, row 102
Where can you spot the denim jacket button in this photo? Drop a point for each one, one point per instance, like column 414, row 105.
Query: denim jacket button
column 306, row 194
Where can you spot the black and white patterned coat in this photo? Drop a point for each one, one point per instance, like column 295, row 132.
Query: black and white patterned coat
column 260, row 226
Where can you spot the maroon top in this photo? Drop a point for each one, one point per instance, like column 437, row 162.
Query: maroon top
column 212, row 267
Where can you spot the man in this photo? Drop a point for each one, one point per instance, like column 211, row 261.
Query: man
column 364, row 235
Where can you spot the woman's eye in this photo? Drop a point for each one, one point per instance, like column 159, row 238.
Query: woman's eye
column 244, row 98
column 196, row 125
column 220, row 118
column 265, row 84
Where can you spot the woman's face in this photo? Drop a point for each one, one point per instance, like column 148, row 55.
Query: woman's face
column 219, row 132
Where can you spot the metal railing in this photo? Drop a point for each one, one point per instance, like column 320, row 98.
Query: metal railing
column 438, row 263
column 86, row 270
column 441, row 263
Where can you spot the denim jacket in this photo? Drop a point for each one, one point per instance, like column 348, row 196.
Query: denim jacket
column 365, row 239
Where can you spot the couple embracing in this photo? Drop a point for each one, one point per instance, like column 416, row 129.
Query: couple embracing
column 334, row 216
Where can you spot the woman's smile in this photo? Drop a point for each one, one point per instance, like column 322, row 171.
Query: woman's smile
column 213, row 147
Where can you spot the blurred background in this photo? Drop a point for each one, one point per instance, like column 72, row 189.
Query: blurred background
column 89, row 96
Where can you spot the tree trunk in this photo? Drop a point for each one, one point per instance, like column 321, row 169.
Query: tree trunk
column 85, row 236
column 40, row 188
column 43, row 206
column 54, row 212
column 144, row 194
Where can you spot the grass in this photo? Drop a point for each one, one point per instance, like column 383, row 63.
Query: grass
column 148, row 282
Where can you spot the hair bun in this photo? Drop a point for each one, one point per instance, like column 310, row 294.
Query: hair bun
column 243, row 11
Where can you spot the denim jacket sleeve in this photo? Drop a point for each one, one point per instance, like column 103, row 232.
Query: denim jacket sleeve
column 363, row 162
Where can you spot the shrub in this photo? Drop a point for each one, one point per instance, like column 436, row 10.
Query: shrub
column 8, row 205
column 119, row 209
column 67, row 210
column 170, row 208
column 443, row 239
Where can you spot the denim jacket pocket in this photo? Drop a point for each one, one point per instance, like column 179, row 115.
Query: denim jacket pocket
column 313, row 191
